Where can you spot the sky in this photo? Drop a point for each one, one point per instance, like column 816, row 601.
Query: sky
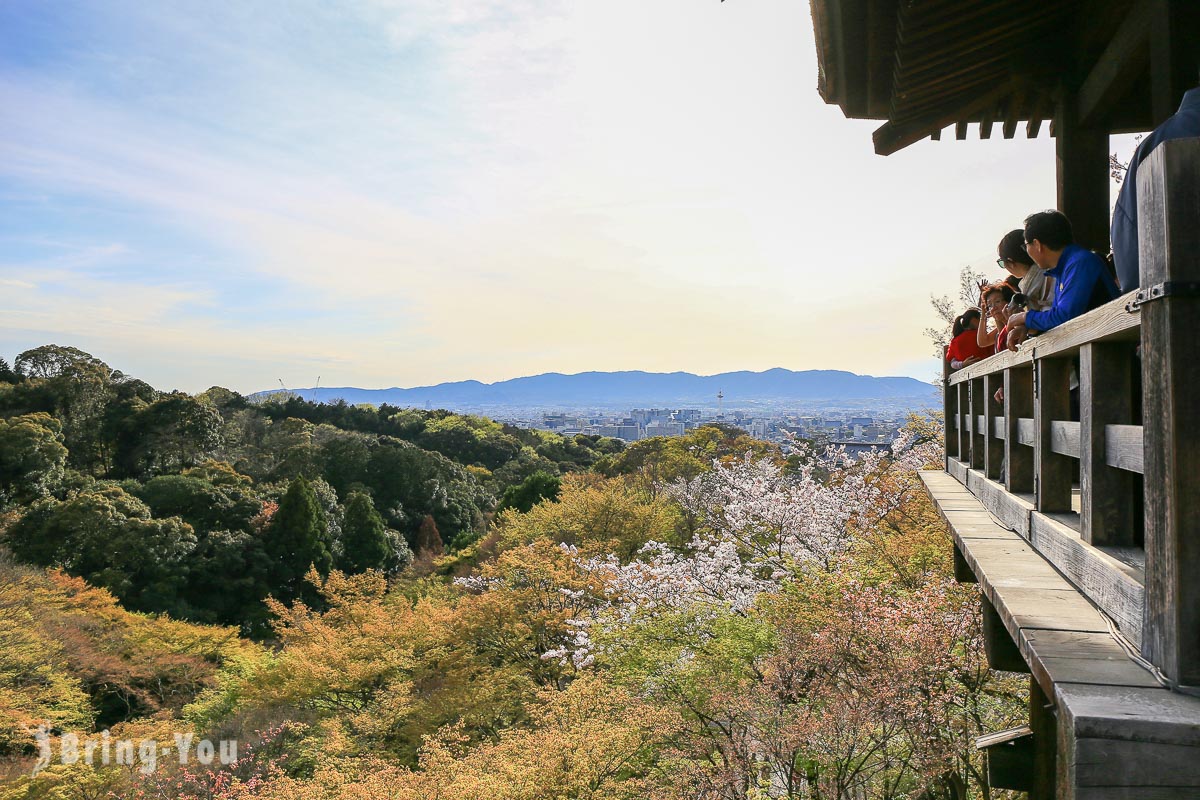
column 404, row 192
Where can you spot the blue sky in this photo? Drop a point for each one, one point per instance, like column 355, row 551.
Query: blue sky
column 401, row 193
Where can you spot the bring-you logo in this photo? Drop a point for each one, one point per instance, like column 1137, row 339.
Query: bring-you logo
column 102, row 750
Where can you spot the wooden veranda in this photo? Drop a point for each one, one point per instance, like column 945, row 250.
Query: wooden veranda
column 1081, row 529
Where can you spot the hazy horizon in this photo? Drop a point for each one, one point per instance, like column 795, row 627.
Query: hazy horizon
column 573, row 374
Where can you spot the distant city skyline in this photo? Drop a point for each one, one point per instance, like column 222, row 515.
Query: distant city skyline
column 402, row 194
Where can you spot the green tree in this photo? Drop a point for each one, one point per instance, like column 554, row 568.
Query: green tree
column 75, row 387
column 288, row 447
column 32, row 457
column 222, row 399
column 470, row 440
column 7, row 374
column 344, row 457
column 297, row 539
column 219, row 473
column 537, row 487
column 199, row 503
column 108, row 537
column 365, row 543
column 55, row 361
column 229, row 577
column 172, row 433
column 407, row 483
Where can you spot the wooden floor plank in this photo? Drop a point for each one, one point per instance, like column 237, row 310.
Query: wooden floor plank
column 1110, row 711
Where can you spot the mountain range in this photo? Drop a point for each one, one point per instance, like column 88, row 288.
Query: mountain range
column 636, row 388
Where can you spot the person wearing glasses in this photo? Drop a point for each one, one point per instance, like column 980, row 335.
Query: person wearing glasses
column 993, row 299
column 1032, row 281
column 1081, row 280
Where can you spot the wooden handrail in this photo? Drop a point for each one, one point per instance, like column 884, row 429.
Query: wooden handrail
column 1110, row 322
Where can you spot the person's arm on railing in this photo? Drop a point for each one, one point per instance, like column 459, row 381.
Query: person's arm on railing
column 955, row 364
column 1016, row 334
column 1071, row 298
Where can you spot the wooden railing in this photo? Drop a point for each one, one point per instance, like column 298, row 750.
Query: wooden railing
column 1109, row 491
column 1021, row 457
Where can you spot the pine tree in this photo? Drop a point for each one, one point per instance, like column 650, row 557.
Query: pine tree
column 364, row 538
column 7, row 375
column 297, row 538
column 429, row 541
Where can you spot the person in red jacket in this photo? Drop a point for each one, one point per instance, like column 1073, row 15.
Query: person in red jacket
column 963, row 349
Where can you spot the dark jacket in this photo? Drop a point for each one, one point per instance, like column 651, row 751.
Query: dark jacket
column 1184, row 124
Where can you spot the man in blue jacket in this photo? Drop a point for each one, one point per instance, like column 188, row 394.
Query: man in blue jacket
column 1081, row 281
column 1183, row 124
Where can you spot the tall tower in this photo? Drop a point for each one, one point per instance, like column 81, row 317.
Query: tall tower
column 720, row 404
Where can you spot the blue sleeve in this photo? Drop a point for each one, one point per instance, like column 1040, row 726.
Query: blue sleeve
column 1071, row 298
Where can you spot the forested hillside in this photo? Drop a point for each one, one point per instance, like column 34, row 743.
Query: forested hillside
column 389, row 603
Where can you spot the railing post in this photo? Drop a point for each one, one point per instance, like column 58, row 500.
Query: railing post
column 950, row 420
column 1018, row 403
column 993, row 457
column 978, row 432
column 1105, row 398
column 962, row 406
column 1053, row 472
column 1169, row 254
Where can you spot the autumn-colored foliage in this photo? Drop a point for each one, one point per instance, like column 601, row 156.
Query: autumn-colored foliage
column 692, row 623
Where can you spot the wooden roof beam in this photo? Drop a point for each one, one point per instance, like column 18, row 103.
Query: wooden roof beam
column 850, row 22
column 889, row 138
column 985, row 124
column 1117, row 68
column 1012, row 113
column 1037, row 115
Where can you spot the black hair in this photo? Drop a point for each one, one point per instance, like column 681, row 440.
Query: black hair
column 1051, row 228
column 962, row 322
column 1012, row 248
column 1012, row 282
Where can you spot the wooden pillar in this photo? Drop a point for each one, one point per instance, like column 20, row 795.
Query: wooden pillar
column 993, row 448
column 978, row 432
column 1169, row 253
column 1105, row 398
column 998, row 645
column 1083, row 176
column 1018, row 403
column 962, row 570
column 1053, row 472
column 1173, row 58
column 1044, row 724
